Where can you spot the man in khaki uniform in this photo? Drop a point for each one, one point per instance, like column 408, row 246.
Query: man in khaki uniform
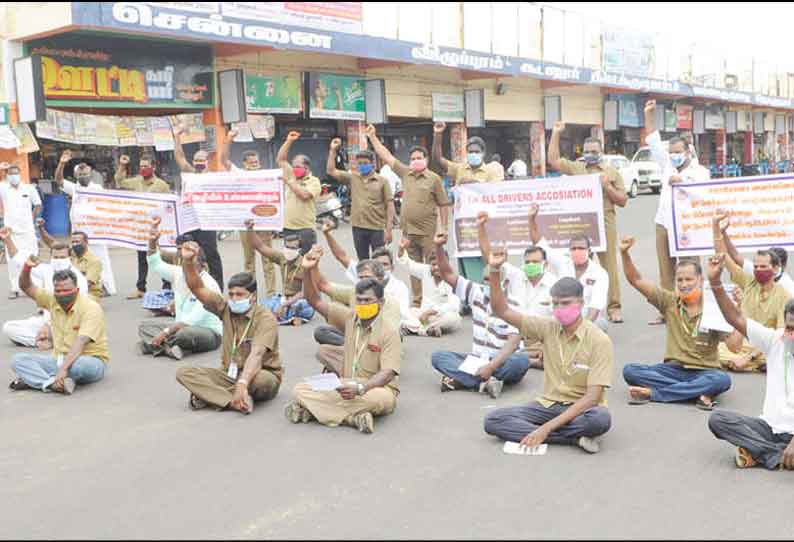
column 300, row 197
column 372, row 208
column 577, row 370
column 424, row 201
column 370, row 371
column 145, row 181
column 614, row 193
column 82, row 259
column 251, row 367
column 80, row 345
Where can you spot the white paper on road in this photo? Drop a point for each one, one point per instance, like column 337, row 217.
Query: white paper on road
column 472, row 364
column 323, row 382
column 517, row 449
column 712, row 318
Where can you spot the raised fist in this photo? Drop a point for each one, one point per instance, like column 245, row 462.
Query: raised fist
column 558, row 127
column 66, row 156
column 249, row 224
column 650, row 106
column 293, row 135
column 439, row 127
column 336, row 143
column 626, row 243
column 482, row 218
column 124, row 160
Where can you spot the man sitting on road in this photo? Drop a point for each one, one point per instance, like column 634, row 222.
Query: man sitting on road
column 578, row 362
column 769, row 439
column 494, row 341
column 370, row 368
column 439, row 312
column 194, row 329
column 80, row 345
column 763, row 299
column 290, row 308
column 82, row 258
column 578, row 263
column 251, row 367
column 691, row 366
column 35, row 331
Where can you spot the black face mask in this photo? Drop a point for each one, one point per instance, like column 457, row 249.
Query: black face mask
column 199, row 167
column 78, row 250
column 66, row 300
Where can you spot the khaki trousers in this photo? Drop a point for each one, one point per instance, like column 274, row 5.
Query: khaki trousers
column 217, row 389
column 609, row 260
column 330, row 409
column 420, row 248
column 268, row 267
column 727, row 357
column 666, row 262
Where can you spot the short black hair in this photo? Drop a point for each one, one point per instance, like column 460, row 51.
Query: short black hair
column 383, row 251
column 567, row 287
column 292, row 238
column 370, row 284
column 475, row 140
column 782, row 255
column 773, row 257
column 581, row 237
column 373, row 265
column 81, row 234
column 691, row 262
column 496, row 157
column 418, row 148
column 535, row 248
column 789, row 310
column 593, row 140
column 243, row 280
column 678, row 139
column 368, row 155
column 65, row 274
column 184, row 238
column 305, row 160
column 250, row 154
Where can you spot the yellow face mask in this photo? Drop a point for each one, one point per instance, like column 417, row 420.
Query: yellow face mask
column 367, row 312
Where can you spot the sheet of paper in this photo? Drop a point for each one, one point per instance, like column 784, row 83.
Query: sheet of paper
column 712, row 318
column 323, row 382
column 472, row 364
column 517, row 449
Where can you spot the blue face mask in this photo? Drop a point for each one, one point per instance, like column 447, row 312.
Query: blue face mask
column 474, row 159
column 677, row 159
column 239, row 306
column 365, row 169
column 592, row 158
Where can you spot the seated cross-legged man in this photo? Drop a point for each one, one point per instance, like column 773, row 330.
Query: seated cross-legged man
column 369, row 371
column 251, row 367
column 577, row 369
column 80, row 346
column 494, row 341
column 767, row 440
column 439, row 312
column 691, row 367
column 290, row 308
column 194, row 329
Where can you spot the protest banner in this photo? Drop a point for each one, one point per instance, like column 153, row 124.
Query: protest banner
column 124, row 219
column 225, row 200
column 568, row 206
column 761, row 211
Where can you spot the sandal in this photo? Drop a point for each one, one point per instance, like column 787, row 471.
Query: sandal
column 196, row 403
column 743, row 459
column 660, row 321
column 702, row 405
column 18, row 385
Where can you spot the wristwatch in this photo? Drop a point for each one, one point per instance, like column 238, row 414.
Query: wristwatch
column 360, row 387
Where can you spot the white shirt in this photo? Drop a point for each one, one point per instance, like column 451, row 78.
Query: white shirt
column 779, row 399
column 438, row 297
column 785, row 280
column 517, row 169
column 18, row 204
column 595, row 279
column 394, row 180
column 42, row 274
column 534, row 300
column 394, row 287
column 71, row 188
column 489, row 332
column 694, row 173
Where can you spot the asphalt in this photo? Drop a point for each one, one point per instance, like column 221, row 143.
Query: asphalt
column 126, row 458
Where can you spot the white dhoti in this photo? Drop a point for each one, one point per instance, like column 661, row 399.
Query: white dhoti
column 101, row 251
column 27, row 245
column 24, row 332
column 446, row 322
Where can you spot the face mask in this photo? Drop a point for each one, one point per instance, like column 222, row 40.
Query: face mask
column 568, row 315
column 691, row 297
column 250, row 167
column 239, row 306
column 417, row 166
column 788, row 336
column 592, row 158
column 199, row 167
column 678, row 159
column 579, row 257
column 533, row 270
column 763, row 277
column 299, row 172
column 365, row 169
column 779, row 275
column 14, row 180
column 367, row 312
column 146, row 172
column 66, row 300
column 60, row 264
column 84, row 180
column 474, row 159
column 78, row 250
column 291, row 254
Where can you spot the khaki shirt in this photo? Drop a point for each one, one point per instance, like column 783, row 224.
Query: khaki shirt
column 465, row 174
column 370, row 200
column 568, row 167
column 242, row 332
column 291, row 273
column 138, row 184
column 301, row 214
column 570, row 365
column 423, row 193
column 85, row 318
column 766, row 308
column 368, row 351
column 90, row 266
column 346, row 295
column 686, row 344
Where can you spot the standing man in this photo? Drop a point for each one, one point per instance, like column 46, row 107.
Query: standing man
column 518, row 169
column 301, row 192
column 372, row 211
column 677, row 167
column 207, row 240
column 145, row 181
column 21, row 205
column 496, row 165
column 614, row 193
column 424, row 201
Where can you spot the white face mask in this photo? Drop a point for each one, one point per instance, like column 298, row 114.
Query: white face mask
column 60, row 264
column 291, row 254
column 14, row 180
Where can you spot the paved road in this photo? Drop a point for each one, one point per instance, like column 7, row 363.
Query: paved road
column 127, row 459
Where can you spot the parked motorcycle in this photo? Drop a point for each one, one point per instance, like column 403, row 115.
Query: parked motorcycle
column 329, row 205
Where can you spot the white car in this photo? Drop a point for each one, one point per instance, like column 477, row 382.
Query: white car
column 626, row 170
column 648, row 174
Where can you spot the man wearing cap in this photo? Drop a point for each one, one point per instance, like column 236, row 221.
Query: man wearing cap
column 21, row 204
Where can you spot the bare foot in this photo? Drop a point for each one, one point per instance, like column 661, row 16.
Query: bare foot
column 639, row 394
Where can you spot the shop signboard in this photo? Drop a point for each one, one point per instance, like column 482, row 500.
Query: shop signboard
column 273, row 94
column 670, row 120
column 683, row 115
column 448, row 107
column 625, row 51
column 628, row 111
column 338, row 97
column 714, row 119
column 81, row 70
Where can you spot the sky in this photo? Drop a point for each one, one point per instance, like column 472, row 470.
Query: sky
column 761, row 29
